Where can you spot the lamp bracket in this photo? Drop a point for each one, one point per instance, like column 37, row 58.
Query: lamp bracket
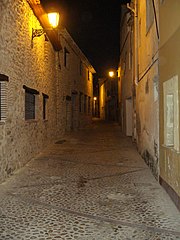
column 37, row 32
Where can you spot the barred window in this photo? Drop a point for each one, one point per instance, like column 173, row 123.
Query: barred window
column 3, row 96
column 30, row 102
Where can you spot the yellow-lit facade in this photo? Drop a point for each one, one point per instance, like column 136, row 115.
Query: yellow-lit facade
column 139, row 78
column 102, row 100
column 150, row 34
column 35, row 72
column 169, row 70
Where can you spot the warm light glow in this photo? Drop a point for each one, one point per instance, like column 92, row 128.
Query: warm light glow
column 111, row 74
column 53, row 19
column 119, row 71
column 95, row 98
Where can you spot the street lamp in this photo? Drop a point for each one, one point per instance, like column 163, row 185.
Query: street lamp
column 111, row 74
column 53, row 18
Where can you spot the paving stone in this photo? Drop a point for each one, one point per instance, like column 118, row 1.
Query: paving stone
column 93, row 186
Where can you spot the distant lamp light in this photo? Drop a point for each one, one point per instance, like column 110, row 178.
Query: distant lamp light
column 53, row 18
column 95, row 98
column 111, row 74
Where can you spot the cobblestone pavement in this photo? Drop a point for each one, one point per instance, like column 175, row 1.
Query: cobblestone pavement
column 90, row 185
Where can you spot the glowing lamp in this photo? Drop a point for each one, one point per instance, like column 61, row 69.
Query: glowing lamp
column 111, row 74
column 53, row 19
column 95, row 98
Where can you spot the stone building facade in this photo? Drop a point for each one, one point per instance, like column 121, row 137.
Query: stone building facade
column 39, row 96
column 76, row 91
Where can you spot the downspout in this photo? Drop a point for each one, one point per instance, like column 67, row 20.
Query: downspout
column 136, row 75
column 135, row 12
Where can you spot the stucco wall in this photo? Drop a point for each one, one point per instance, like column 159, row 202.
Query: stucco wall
column 126, row 65
column 147, row 100
column 169, row 67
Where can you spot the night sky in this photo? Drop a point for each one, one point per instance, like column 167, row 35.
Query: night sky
column 94, row 26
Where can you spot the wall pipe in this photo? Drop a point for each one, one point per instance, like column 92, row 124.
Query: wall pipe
column 135, row 12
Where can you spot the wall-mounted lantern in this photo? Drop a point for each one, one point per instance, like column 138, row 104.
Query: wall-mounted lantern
column 111, row 74
column 53, row 18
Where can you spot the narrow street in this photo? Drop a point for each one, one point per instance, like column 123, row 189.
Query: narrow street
column 90, row 185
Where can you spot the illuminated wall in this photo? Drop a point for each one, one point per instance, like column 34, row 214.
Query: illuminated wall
column 169, row 69
column 38, row 68
column 147, row 92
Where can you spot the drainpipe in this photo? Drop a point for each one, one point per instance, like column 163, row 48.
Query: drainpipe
column 136, row 65
column 135, row 12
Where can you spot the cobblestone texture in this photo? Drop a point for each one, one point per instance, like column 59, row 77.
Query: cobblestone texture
column 92, row 186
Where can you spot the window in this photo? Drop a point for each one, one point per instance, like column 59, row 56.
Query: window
column 66, row 53
column 88, row 75
column 149, row 15
column 80, row 101
column 3, row 96
column 171, row 113
column 89, row 104
column 45, row 99
column 85, row 103
column 30, row 102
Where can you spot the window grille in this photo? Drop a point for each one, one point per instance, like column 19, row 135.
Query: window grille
column 30, row 103
column 3, row 97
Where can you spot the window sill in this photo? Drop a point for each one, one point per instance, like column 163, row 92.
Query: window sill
column 31, row 121
column 170, row 148
column 2, row 122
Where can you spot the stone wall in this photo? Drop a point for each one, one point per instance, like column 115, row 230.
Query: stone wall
column 36, row 65
column 74, row 83
column 27, row 64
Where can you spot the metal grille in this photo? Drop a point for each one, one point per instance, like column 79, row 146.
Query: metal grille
column 29, row 106
column 3, row 100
